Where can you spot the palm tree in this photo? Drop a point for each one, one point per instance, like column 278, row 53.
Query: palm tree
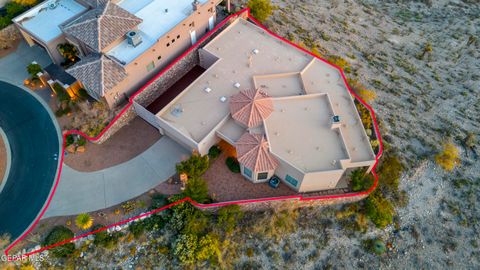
column 84, row 221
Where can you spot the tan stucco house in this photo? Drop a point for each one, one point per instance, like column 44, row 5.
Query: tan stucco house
column 285, row 112
column 121, row 43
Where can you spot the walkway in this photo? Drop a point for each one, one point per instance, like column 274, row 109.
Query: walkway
column 80, row 192
column 35, row 144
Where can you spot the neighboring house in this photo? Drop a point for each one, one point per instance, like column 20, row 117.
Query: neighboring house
column 121, row 44
column 283, row 111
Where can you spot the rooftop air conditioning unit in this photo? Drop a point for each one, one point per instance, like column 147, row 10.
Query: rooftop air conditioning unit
column 134, row 38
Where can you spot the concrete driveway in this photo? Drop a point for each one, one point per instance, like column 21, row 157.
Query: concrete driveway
column 13, row 67
column 80, row 192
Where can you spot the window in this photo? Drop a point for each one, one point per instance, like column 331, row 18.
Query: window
column 159, row 57
column 291, row 180
column 247, row 172
column 178, row 36
column 150, row 66
column 192, row 24
column 206, row 30
column 262, row 176
column 173, row 40
column 168, row 44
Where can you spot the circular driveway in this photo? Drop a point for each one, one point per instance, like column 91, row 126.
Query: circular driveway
column 35, row 145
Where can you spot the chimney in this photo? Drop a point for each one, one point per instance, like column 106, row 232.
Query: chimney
column 196, row 5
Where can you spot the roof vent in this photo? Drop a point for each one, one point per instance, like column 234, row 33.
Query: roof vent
column 255, row 51
column 223, row 99
column 134, row 38
column 177, row 111
column 237, row 85
column 207, row 90
column 166, row 10
column 52, row 4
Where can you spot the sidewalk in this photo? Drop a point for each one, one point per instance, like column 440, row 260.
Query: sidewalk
column 80, row 192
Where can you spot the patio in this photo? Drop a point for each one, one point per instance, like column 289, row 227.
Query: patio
column 224, row 185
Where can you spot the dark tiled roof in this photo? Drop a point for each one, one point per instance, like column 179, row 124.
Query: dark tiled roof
column 58, row 73
column 101, row 26
column 98, row 73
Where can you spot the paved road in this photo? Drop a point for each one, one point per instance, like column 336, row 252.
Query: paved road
column 34, row 141
column 80, row 192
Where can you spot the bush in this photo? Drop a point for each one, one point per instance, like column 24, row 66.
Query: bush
column 14, row 9
column 84, row 221
column 197, row 190
column 364, row 115
column 34, row 69
column 449, row 157
column 389, row 173
column 208, row 248
column 81, row 141
column 228, row 217
column 194, row 167
column 367, row 95
column 375, row 246
column 69, row 140
column 185, row 247
column 62, row 94
column 137, row 229
column 379, row 210
column 214, row 152
column 340, row 62
column 158, row 200
column 260, row 9
column 233, row 164
column 57, row 235
column 103, row 238
column 360, row 181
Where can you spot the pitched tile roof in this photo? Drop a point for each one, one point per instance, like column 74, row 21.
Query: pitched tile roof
column 253, row 152
column 98, row 74
column 101, row 26
column 251, row 107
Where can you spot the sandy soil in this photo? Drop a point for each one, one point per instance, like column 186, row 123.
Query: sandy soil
column 124, row 145
column 3, row 159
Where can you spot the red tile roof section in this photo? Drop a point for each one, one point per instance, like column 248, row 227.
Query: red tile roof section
column 250, row 107
column 253, row 152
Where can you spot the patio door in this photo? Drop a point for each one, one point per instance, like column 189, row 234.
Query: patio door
column 193, row 36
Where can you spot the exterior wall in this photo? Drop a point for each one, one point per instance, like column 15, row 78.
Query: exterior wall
column 206, row 58
column 284, row 169
column 175, row 135
column 254, row 177
column 320, row 180
column 147, row 116
column 137, row 69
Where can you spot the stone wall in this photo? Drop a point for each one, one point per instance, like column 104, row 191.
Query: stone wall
column 290, row 203
column 8, row 36
column 128, row 115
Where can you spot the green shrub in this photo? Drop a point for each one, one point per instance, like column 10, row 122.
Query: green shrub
column 137, row 229
column 197, row 190
column 389, row 173
column 194, row 167
column 34, row 69
column 57, row 235
column 233, row 164
column 340, row 62
column 185, row 247
column 376, row 246
column 14, row 9
column 228, row 217
column 62, row 94
column 104, row 239
column 81, row 141
column 208, row 248
column 214, row 152
column 69, row 140
column 154, row 222
column 379, row 210
column 158, row 200
column 260, row 9
column 82, row 93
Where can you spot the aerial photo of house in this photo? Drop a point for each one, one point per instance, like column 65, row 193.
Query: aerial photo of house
column 239, row 134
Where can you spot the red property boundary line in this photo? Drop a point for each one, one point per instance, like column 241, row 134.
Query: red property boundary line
column 199, row 205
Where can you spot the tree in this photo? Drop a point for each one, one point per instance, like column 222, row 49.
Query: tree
column 59, row 234
column 197, row 190
column 33, row 69
column 84, row 221
column 194, row 167
column 260, row 9
column 449, row 157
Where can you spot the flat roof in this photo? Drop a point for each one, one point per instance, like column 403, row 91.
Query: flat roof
column 44, row 20
column 156, row 23
column 300, row 132
column 233, row 46
column 251, row 57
